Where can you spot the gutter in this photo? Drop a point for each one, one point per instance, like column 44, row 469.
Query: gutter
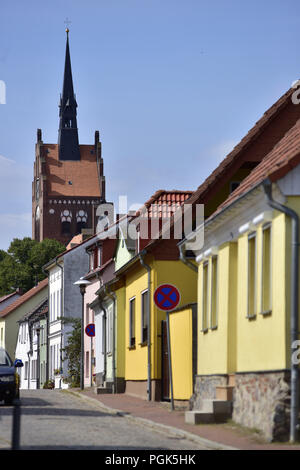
column 112, row 295
column 294, row 425
column 142, row 254
column 185, row 260
column 104, row 340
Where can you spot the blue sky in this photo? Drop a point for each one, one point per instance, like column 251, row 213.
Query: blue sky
column 172, row 86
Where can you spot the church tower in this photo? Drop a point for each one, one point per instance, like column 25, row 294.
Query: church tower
column 68, row 182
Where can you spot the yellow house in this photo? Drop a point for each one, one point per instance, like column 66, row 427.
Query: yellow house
column 143, row 360
column 153, row 263
column 248, row 306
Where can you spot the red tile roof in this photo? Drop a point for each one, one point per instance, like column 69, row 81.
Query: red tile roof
column 83, row 174
column 164, row 202
column 21, row 300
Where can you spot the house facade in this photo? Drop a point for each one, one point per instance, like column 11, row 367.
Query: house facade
column 247, row 325
column 32, row 347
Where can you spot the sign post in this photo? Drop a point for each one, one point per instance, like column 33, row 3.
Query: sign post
column 166, row 298
column 90, row 331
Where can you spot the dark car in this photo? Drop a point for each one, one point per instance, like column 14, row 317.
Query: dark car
column 9, row 379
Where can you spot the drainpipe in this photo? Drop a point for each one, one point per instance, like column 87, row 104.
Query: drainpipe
column 104, row 339
column 112, row 295
column 267, row 185
column 147, row 267
column 186, row 261
column 61, row 310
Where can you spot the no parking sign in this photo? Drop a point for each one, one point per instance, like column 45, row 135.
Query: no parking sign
column 166, row 297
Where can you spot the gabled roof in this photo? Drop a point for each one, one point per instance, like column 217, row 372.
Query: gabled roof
column 283, row 158
column 234, row 155
column 161, row 200
column 8, row 296
column 21, row 300
column 37, row 312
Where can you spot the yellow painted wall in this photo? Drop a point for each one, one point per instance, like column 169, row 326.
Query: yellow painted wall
column 181, row 340
column 162, row 272
column 261, row 341
column 120, row 311
column 240, row 343
column 217, row 347
column 135, row 358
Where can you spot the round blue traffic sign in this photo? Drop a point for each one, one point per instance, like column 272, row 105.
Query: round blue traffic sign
column 166, row 297
column 90, row 329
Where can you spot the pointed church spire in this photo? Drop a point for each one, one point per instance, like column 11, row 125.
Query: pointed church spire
column 68, row 132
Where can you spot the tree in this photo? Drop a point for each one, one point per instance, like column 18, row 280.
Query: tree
column 73, row 351
column 21, row 266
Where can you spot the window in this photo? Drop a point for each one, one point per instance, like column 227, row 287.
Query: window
column 266, row 303
column 91, row 261
column 66, row 228
column 233, row 186
column 26, row 370
column 87, row 315
column 132, row 323
column 251, row 275
column 99, row 257
column 144, row 302
column 214, row 292
column 54, row 307
column 205, row 297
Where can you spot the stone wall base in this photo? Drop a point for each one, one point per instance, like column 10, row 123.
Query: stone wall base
column 205, row 387
column 262, row 401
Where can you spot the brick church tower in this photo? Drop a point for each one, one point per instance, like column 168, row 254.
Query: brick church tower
column 68, row 180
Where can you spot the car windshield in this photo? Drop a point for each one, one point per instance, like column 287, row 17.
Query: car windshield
column 4, row 358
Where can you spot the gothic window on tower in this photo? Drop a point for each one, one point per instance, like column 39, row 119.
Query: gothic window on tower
column 66, row 219
column 81, row 219
column 37, row 189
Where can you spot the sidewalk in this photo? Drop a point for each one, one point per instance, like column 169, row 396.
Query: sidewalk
column 222, row 436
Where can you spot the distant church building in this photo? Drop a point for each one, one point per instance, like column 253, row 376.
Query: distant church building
column 68, row 180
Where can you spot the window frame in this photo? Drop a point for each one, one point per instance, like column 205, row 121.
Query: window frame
column 214, row 292
column 268, row 311
column 205, row 296
column 132, row 326
column 144, row 325
column 250, row 237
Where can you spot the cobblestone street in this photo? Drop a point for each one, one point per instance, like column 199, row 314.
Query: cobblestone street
column 55, row 420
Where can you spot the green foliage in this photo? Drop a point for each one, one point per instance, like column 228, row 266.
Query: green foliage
column 73, row 351
column 21, row 266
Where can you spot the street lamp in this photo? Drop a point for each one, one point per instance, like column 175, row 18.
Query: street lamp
column 82, row 283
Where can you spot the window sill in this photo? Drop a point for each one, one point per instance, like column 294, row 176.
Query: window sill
column 213, row 328
column 251, row 317
column 144, row 343
column 131, row 348
column 266, row 313
column 205, row 330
